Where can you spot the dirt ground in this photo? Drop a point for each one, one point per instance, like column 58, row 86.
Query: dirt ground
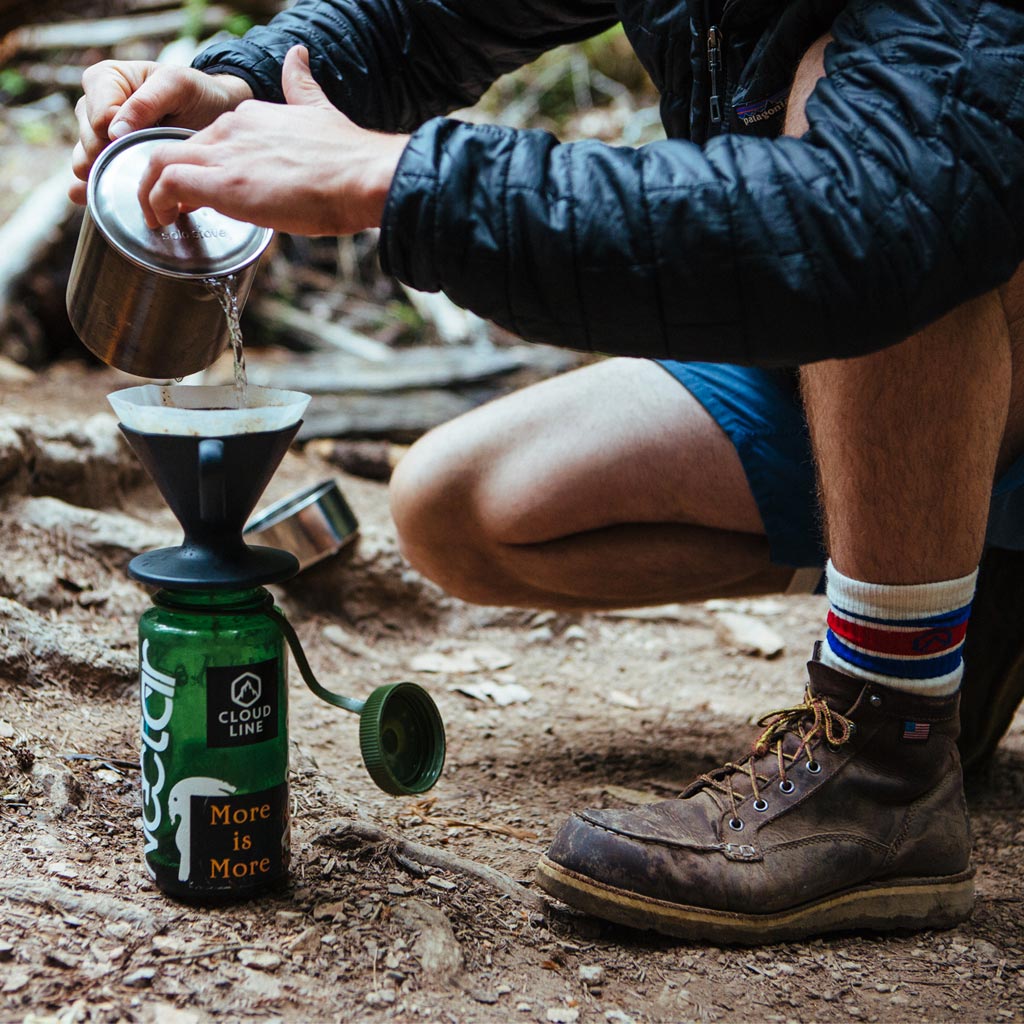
column 618, row 709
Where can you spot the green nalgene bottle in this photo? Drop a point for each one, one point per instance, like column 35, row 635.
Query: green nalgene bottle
column 214, row 744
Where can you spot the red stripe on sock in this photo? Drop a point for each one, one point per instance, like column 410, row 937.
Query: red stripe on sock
column 911, row 643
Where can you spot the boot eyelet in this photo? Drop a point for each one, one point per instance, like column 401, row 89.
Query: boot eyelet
column 875, row 700
column 736, row 824
column 813, row 767
column 853, row 730
column 786, row 786
column 760, row 805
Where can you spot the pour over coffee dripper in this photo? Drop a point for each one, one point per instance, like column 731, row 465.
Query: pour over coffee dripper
column 213, row 673
column 211, row 462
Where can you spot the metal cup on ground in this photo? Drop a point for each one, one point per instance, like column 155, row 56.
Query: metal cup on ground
column 312, row 524
column 137, row 295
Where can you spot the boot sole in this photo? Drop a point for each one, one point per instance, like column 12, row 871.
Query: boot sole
column 907, row 903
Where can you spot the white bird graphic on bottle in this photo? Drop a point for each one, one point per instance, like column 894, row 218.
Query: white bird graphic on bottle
column 179, row 805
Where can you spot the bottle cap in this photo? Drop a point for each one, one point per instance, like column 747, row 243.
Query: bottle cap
column 401, row 737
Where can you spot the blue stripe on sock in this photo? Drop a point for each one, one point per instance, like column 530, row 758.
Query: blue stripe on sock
column 953, row 618
column 914, row 668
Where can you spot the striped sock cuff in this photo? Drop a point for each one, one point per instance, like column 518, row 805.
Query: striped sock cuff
column 907, row 636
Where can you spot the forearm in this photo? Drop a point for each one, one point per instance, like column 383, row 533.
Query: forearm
column 904, row 199
column 391, row 64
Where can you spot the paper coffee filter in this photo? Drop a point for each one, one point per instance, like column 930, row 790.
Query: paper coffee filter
column 197, row 410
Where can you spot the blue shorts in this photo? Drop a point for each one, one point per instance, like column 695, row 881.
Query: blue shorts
column 761, row 413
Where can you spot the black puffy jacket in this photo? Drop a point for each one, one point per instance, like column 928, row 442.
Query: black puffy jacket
column 723, row 242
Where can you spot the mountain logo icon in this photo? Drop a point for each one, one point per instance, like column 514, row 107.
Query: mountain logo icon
column 246, row 689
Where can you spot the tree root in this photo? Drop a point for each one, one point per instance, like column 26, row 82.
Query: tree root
column 42, row 893
column 405, row 850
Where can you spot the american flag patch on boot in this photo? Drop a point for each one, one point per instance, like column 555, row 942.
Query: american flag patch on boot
column 916, row 730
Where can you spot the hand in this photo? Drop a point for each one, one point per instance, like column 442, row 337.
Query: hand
column 301, row 167
column 124, row 96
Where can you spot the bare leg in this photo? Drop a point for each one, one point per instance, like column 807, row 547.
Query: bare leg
column 607, row 487
column 906, row 440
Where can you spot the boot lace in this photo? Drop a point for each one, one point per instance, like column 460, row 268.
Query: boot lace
column 810, row 722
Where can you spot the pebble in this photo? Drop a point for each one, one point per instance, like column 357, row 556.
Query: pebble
column 575, row 633
column 66, row 961
column 15, row 981
column 563, row 1015
column 307, row 941
column 6, row 729
column 143, row 976
column 591, row 975
column 14, row 373
column 287, row 917
column 330, row 912
column 168, row 945
column 750, row 635
column 165, row 1013
column 347, row 641
column 541, row 635
column 441, row 883
column 523, row 1007
column 6, row 950
column 618, row 1017
column 382, row 997
column 987, row 951
column 260, row 959
column 62, row 870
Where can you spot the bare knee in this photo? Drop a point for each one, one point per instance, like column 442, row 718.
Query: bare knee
column 434, row 498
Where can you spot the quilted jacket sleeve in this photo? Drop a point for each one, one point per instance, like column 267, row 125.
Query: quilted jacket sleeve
column 391, row 64
column 904, row 199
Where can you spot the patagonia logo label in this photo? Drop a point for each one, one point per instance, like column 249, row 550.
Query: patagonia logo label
column 762, row 110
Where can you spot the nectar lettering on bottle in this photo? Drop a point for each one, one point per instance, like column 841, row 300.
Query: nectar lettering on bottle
column 242, row 704
column 157, row 695
column 238, row 840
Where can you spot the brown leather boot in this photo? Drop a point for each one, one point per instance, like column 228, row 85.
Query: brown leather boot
column 848, row 813
column 993, row 683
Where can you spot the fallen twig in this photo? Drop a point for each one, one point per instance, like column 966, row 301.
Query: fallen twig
column 31, row 230
column 435, row 858
column 278, row 315
column 101, row 32
column 105, row 762
column 197, row 955
column 424, row 810
column 454, row 325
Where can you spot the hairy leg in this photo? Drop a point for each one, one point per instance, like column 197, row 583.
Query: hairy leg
column 607, row 487
column 906, row 440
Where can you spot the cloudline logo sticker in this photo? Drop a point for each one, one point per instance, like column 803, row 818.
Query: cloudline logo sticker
column 241, row 704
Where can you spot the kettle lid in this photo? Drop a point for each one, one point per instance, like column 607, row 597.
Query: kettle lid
column 201, row 244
